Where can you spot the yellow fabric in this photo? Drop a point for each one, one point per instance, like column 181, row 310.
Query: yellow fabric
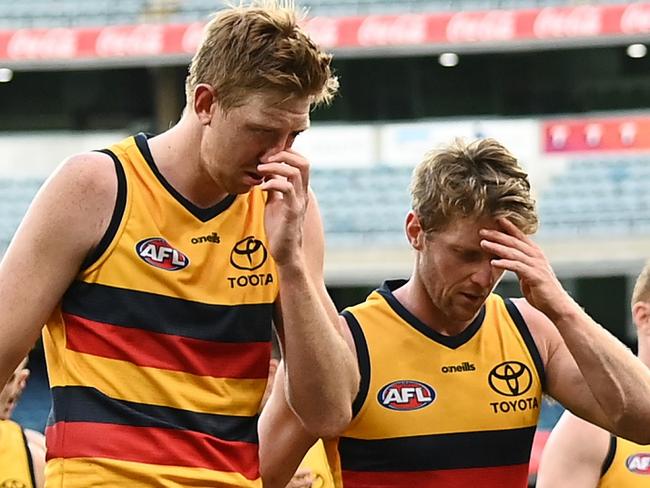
column 14, row 461
column 458, row 376
column 630, row 467
column 109, row 473
column 316, row 461
column 210, row 278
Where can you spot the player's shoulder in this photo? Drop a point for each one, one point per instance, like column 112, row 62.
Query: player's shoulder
column 583, row 435
column 91, row 168
column 89, row 176
column 542, row 330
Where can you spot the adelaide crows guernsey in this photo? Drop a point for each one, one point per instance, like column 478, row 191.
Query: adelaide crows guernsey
column 16, row 469
column 158, row 352
column 438, row 411
column 627, row 465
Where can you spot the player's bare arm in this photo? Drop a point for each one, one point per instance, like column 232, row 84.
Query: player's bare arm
column 584, row 366
column 284, row 441
column 65, row 221
column 574, row 455
column 320, row 395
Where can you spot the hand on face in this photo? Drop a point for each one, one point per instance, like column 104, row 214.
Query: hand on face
column 516, row 252
column 286, row 179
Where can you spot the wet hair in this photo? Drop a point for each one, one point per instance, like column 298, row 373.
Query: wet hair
column 471, row 180
column 260, row 47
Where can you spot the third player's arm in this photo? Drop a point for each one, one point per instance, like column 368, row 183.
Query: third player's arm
column 573, row 455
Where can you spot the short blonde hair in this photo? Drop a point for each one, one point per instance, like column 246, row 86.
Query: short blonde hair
column 260, row 47
column 472, row 180
column 641, row 291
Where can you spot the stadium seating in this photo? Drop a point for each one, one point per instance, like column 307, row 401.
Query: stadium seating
column 598, row 196
column 591, row 197
column 15, row 196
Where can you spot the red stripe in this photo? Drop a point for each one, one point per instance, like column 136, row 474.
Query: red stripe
column 494, row 477
column 165, row 351
column 169, row 447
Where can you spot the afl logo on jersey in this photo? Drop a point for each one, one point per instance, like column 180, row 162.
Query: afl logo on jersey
column 157, row 252
column 406, row 395
column 639, row 463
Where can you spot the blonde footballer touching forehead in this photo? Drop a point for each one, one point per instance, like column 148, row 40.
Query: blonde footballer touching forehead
column 451, row 373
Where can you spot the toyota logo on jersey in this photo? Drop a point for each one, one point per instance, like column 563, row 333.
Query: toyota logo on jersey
column 157, row 252
column 639, row 463
column 406, row 395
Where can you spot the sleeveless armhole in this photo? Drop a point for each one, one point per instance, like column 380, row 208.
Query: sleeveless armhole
column 118, row 212
column 609, row 459
column 522, row 327
column 363, row 359
column 30, row 461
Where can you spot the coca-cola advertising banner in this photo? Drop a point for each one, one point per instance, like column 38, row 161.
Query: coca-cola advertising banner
column 493, row 27
column 597, row 134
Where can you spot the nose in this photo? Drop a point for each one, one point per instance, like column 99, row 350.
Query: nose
column 280, row 143
column 484, row 275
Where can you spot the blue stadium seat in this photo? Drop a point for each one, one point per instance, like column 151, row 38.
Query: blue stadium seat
column 598, row 196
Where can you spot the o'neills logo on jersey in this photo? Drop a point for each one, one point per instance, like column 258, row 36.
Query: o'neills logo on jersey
column 157, row 252
column 459, row 368
column 639, row 463
column 406, row 395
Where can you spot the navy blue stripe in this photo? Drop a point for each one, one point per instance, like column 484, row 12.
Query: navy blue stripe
column 30, row 460
column 203, row 214
column 363, row 359
column 84, row 404
column 523, row 329
column 169, row 315
column 452, row 342
column 443, row 451
column 118, row 213
column 609, row 458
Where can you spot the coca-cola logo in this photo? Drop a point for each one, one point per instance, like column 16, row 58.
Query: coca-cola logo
column 42, row 44
column 636, row 19
column 324, row 31
column 141, row 40
column 568, row 22
column 392, row 30
column 482, row 26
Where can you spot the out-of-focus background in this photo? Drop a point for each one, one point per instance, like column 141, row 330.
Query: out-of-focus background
column 564, row 84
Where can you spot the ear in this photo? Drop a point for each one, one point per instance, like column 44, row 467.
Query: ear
column 414, row 231
column 204, row 102
column 641, row 315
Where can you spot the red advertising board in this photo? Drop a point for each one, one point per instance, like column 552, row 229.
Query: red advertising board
column 494, row 27
column 597, row 134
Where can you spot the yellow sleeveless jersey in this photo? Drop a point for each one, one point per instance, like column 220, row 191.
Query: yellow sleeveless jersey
column 436, row 411
column 16, row 469
column 158, row 352
column 627, row 465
